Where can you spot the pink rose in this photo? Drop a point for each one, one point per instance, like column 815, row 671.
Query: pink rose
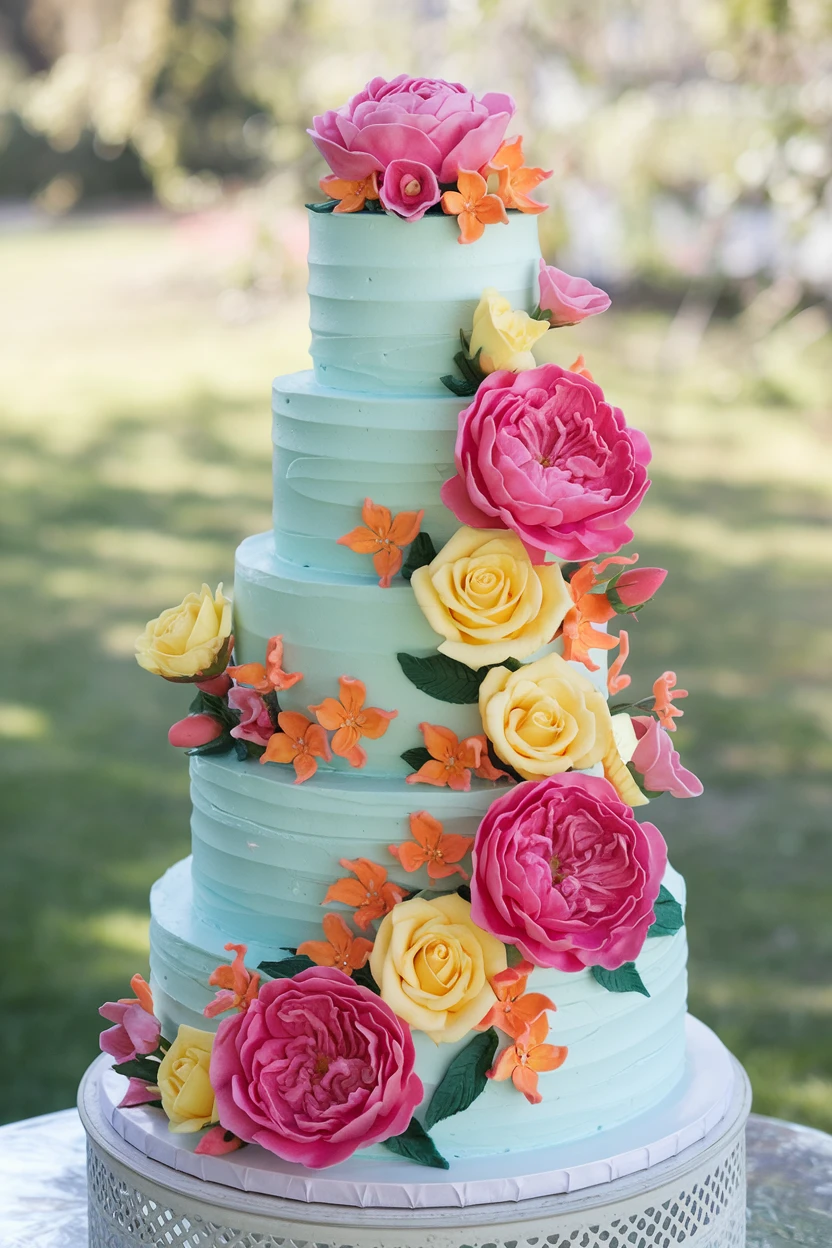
column 136, row 1031
column 543, row 453
column 436, row 123
column 569, row 299
column 657, row 761
column 409, row 189
column 255, row 722
column 316, row 1068
column 564, row 871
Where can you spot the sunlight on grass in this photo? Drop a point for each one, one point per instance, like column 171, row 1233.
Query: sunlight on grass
column 119, row 930
column 22, row 723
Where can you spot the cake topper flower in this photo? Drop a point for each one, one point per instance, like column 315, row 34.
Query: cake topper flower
column 432, row 847
column 341, row 949
column 515, row 1008
column 299, row 742
column 383, row 537
column 451, row 760
column 473, row 206
column 350, row 720
column 515, row 180
column 351, row 195
column 371, row 893
column 527, row 1057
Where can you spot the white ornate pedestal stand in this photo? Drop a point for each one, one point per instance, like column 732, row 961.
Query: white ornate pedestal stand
column 696, row 1197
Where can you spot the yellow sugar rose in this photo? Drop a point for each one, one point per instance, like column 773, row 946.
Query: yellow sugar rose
column 483, row 594
column 189, row 640
column 546, row 718
column 187, row 1095
column 504, row 335
column 434, row 966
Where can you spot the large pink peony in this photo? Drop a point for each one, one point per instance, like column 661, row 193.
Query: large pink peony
column 316, row 1068
column 658, row 762
column 439, row 124
column 543, row 453
column 564, row 871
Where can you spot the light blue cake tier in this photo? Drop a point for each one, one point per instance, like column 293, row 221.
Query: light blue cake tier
column 626, row 1052
column 336, row 624
column 387, row 298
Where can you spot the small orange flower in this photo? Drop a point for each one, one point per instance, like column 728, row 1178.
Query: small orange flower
column 351, row 720
column 265, row 678
column 515, row 1009
column 341, row 949
column 579, row 636
column 615, row 680
column 579, row 366
column 473, row 205
column 432, row 845
column 238, row 987
column 299, row 742
column 526, row 1057
column 516, row 180
column 486, row 769
column 371, row 893
column 663, row 705
column 383, row 537
column 451, row 761
column 353, row 195
column 143, row 997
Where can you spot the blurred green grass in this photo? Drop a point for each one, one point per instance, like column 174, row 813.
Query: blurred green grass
column 134, row 401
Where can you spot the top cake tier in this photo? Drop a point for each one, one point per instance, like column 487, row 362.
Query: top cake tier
column 388, row 297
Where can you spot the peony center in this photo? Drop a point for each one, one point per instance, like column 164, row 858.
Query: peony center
column 413, row 188
column 321, row 1065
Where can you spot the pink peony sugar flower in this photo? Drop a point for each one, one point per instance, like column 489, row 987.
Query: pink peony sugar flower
column 657, row 761
column 136, row 1029
column 569, row 300
column 543, row 453
column 425, row 120
column 255, row 722
column 317, row 1067
column 409, row 189
column 564, row 871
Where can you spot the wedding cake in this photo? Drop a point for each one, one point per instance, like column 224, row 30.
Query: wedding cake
column 428, row 916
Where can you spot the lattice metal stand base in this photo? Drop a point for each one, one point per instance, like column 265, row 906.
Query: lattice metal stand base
column 696, row 1198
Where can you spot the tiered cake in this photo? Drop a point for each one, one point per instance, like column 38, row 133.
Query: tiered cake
column 420, row 914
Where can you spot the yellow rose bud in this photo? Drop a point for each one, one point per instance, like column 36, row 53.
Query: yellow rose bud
column 505, row 336
column 434, row 966
column 187, row 1095
column 483, row 594
column 546, row 718
column 189, row 640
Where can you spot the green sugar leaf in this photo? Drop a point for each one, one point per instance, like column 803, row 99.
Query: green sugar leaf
column 442, row 678
column 417, row 757
column 422, row 552
column 623, row 979
column 669, row 916
column 220, row 745
column 462, row 389
column 140, row 1067
column 328, row 205
column 286, row 967
column 416, row 1145
column 363, row 976
column 464, row 1079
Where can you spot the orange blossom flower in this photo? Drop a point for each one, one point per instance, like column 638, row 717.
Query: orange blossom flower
column 486, row 769
column 299, row 742
column 143, row 997
column 431, row 844
column 663, row 705
column 515, row 179
column 473, row 205
column 371, row 893
column 353, row 195
column 383, row 537
column 579, row 366
column 238, row 987
column 526, row 1057
column 265, row 678
column 351, row 720
column 515, row 1009
column 341, row 949
column 616, row 681
column 451, row 760
column 590, row 608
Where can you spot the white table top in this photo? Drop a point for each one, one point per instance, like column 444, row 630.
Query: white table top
column 43, row 1164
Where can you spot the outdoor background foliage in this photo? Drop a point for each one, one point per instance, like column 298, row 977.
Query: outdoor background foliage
column 153, row 166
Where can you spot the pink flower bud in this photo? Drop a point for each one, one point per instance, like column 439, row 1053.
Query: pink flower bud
column 218, row 685
column 568, row 299
column 217, row 1142
column 194, row 730
column 630, row 590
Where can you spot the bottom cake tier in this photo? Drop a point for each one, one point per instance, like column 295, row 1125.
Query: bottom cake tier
column 626, row 1051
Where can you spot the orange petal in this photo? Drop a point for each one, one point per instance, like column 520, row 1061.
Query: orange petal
column 359, row 953
column 441, row 742
column 316, row 742
column 454, row 847
column 350, row 892
column 452, row 203
column 405, row 527
column 490, row 210
column 377, row 518
column 375, row 722
column 432, row 772
column 425, row 829
column 344, row 741
column 525, row 1080
column 472, row 185
column 579, row 366
column 459, row 779
column 387, row 563
column 509, row 154
column 280, row 749
column 547, row 1057
column 320, row 951
column 442, row 870
column 305, row 767
column 353, row 694
column 615, row 680
column 356, row 757
column 337, row 932
column 253, row 674
column 505, row 1064
column 470, row 228
column 371, row 874
column 469, row 752
column 362, row 540
column 294, row 724
column 411, row 856
column 330, row 713
column 530, row 1006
